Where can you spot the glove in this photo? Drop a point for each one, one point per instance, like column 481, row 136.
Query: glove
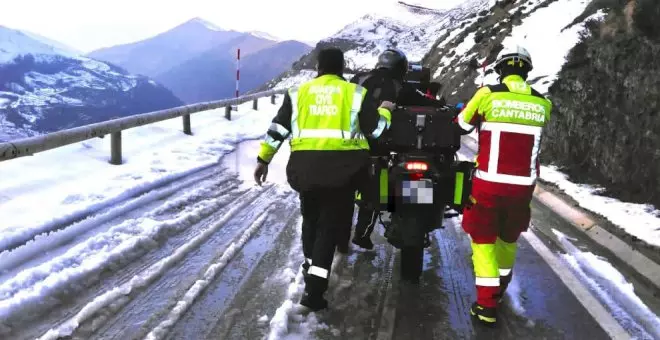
column 386, row 104
column 260, row 173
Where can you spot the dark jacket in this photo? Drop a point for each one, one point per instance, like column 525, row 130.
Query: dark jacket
column 310, row 170
column 380, row 84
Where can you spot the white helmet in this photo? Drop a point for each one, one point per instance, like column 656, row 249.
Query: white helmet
column 512, row 55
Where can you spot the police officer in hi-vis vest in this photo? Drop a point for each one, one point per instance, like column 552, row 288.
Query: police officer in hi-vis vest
column 510, row 118
column 328, row 122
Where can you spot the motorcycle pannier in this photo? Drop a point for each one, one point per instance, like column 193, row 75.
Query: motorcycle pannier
column 422, row 128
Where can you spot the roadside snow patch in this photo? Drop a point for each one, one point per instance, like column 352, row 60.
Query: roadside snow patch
column 613, row 288
column 639, row 220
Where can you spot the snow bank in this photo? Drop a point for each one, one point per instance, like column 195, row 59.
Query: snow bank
column 613, row 288
column 548, row 24
column 59, row 186
column 639, row 220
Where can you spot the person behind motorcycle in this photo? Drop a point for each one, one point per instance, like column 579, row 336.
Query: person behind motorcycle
column 383, row 83
column 328, row 119
column 509, row 118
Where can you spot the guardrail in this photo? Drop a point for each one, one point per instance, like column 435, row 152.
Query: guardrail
column 30, row 146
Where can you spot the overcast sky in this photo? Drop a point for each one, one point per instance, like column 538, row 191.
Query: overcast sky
column 90, row 24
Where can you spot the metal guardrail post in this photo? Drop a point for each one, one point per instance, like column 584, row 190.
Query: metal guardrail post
column 255, row 105
column 228, row 112
column 115, row 148
column 186, row 125
column 272, row 99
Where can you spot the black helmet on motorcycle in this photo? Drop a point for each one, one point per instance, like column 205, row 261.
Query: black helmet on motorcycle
column 394, row 60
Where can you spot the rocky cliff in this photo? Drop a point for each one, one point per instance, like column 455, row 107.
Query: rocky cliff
column 606, row 124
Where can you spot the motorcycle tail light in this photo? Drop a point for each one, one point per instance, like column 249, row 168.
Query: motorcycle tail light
column 417, row 166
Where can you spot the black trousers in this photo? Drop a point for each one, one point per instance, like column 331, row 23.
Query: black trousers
column 327, row 216
column 366, row 222
column 370, row 189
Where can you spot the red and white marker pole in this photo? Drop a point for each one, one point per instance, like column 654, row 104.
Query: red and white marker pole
column 238, row 70
column 238, row 77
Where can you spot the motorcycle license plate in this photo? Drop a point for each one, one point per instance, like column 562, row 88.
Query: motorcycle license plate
column 417, row 192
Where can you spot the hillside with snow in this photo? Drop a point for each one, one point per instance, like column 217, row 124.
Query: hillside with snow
column 45, row 88
column 459, row 59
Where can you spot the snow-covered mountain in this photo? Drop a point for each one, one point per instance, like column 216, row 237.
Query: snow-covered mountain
column 44, row 88
column 197, row 59
column 157, row 55
column 411, row 28
column 48, row 41
column 451, row 42
column 264, row 35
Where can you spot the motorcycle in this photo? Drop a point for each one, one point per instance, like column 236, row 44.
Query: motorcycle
column 419, row 180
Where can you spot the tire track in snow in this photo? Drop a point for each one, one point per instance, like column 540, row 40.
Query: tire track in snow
column 143, row 310
column 249, row 286
column 189, row 298
column 43, row 243
column 144, row 279
column 77, row 274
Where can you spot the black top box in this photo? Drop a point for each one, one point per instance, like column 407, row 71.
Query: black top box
column 422, row 128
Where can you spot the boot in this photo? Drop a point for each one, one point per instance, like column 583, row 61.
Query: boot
column 504, row 283
column 314, row 302
column 363, row 242
column 486, row 316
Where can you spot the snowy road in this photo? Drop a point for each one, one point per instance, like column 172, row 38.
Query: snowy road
column 211, row 256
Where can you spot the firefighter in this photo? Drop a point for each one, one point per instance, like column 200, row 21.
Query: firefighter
column 384, row 83
column 328, row 121
column 509, row 118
